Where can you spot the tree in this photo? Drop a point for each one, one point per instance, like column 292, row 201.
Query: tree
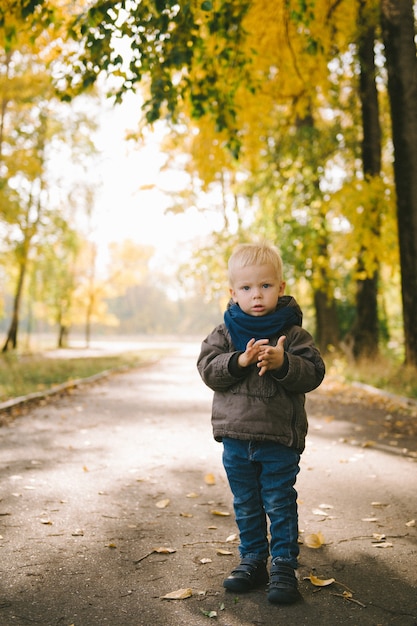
column 398, row 30
column 365, row 330
column 34, row 128
column 28, row 219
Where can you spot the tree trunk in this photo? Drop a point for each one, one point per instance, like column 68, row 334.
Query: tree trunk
column 365, row 330
column 327, row 324
column 397, row 20
column 63, row 333
column 11, row 339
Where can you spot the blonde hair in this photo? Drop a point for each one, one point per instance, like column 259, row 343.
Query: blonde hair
column 255, row 254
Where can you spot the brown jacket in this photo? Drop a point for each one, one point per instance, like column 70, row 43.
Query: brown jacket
column 269, row 407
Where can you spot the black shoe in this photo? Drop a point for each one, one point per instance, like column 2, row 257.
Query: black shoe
column 283, row 584
column 250, row 573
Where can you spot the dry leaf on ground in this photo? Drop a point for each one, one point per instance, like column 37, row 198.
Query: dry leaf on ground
column 179, row 594
column 164, row 550
column 220, row 513
column 319, row 582
column 319, row 512
column 210, row 479
column 314, row 540
column 162, row 504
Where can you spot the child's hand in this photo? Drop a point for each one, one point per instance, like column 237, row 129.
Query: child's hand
column 252, row 352
column 271, row 357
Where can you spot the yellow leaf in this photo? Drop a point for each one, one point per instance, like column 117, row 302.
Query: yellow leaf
column 411, row 523
column 210, row 479
column 379, row 504
column 46, row 521
column 319, row 582
column 186, row 515
column 221, row 552
column 220, row 513
column 193, row 495
column 111, row 545
column 315, row 540
column 180, row 594
column 162, row 504
column 231, row 538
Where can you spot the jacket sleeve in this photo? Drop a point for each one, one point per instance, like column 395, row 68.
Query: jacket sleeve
column 217, row 361
column 306, row 367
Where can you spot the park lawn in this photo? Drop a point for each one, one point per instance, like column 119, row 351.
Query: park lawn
column 21, row 375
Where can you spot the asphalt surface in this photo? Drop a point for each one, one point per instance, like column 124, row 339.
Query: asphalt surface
column 113, row 496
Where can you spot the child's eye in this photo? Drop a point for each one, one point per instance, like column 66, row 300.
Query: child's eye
column 245, row 288
column 266, row 285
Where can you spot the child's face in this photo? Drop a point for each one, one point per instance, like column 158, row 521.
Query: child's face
column 256, row 289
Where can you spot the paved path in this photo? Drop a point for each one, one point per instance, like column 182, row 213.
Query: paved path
column 105, row 508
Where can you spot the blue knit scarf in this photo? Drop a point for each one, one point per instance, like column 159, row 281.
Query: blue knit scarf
column 243, row 327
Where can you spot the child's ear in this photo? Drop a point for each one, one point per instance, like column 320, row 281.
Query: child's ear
column 282, row 288
column 232, row 294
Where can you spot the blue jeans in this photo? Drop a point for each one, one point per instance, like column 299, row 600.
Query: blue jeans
column 262, row 476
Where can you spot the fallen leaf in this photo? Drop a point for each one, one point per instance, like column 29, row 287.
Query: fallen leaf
column 319, row 512
column 186, row 515
column 221, row 552
column 210, row 479
column 78, row 533
column 164, row 550
column 232, row 537
column 111, row 545
column 209, row 613
column 162, row 504
column 379, row 504
column 46, row 521
column 179, row 594
column 369, row 519
column 220, row 513
column 325, row 506
column 378, row 537
column 204, row 561
column 383, row 544
column 411, row 523
column 319, row 582
column 315, row 540
column 192, row 495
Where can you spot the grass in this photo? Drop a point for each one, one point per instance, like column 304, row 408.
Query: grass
column 21, row 375
column 384, row 373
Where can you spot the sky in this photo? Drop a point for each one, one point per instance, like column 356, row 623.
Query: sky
column 127, row 207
